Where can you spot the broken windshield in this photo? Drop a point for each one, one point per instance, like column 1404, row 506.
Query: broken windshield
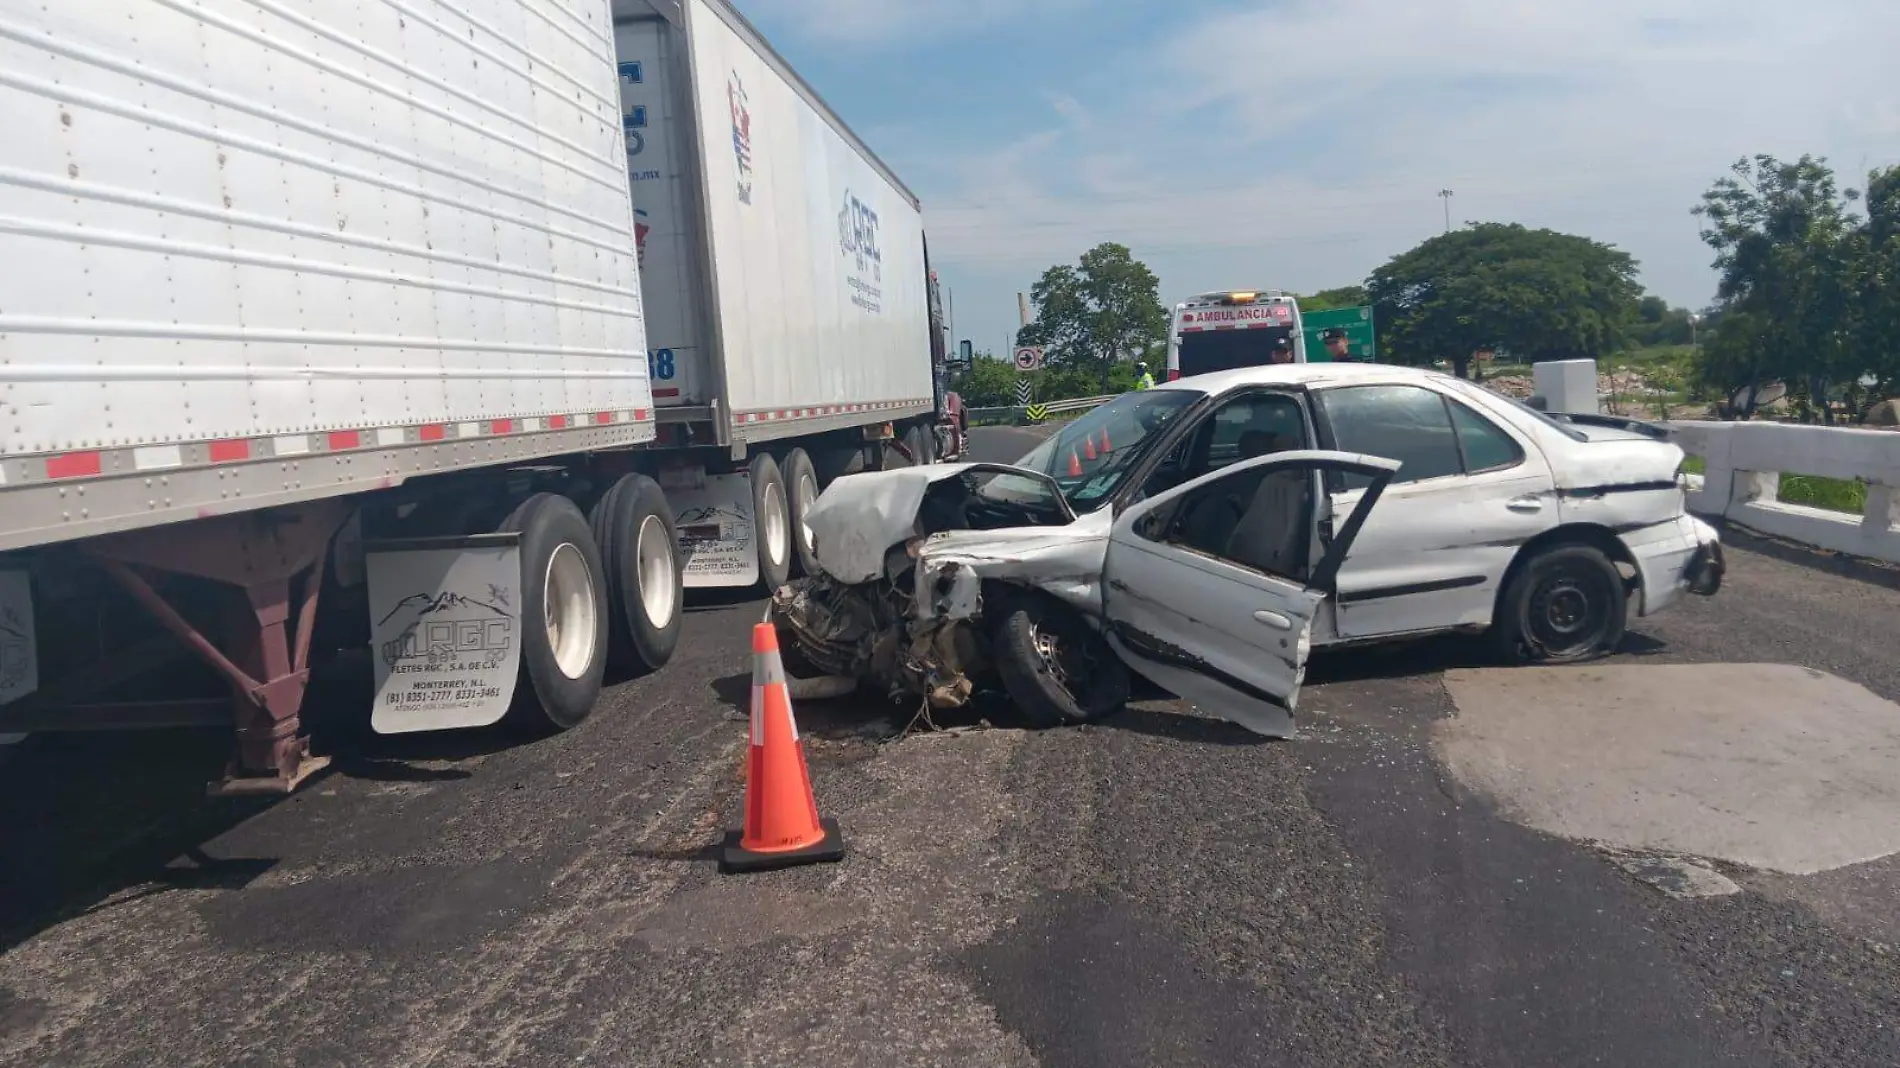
column 1090, row 457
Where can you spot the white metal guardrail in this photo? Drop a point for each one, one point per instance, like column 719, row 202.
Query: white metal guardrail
column 1016, row 411
column 1745, row 462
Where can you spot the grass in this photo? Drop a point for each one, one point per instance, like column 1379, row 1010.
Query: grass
column 1832, row 494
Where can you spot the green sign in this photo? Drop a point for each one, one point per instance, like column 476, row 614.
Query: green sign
column 1356, row 322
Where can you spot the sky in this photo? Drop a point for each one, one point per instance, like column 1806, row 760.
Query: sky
column 1299, row 144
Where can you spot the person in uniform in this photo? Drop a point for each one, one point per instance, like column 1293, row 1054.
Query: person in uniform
column 1143, row 380
column 1334, row 338
column 1282, row 351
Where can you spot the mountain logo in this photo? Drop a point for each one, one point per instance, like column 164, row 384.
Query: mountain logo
column 488, row 627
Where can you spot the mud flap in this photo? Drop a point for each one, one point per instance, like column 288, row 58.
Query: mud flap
column 714, row 517
column 19, row 648
column 445, row 631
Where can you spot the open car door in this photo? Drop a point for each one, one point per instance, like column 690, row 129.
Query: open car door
column 1210, row 589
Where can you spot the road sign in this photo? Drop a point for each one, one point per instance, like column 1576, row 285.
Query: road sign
column 1356, row 322
column 1037, row 412
column 1022, row 392
column 1029, row 358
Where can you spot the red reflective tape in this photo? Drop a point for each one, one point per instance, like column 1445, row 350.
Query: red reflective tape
column 557, row 422
column 73, row 465
column 502, row 426
column 432, row 432
column 666, row 392
column 639, row 414
column 603, row 417
column 344, row 440
column 224, row 452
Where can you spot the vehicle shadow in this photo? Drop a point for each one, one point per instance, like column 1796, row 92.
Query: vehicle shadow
column 1425, row 656
column 94, row 820
column 91, row 816
column 1182, row 727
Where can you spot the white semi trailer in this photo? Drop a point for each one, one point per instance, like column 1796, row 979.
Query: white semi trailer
column 468, row 333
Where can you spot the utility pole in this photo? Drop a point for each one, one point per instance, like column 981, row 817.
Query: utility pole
column 1022, row 308
column 1445, row 195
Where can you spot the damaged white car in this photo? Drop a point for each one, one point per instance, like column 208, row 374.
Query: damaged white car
column 1208, row 533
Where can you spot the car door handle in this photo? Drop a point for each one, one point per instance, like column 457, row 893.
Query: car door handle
column 1527, row 504
column 1273, row 619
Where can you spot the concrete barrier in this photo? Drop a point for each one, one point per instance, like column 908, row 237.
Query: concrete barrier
column 1742, row 478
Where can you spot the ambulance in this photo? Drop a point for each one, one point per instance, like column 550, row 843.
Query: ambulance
column 1232, row 328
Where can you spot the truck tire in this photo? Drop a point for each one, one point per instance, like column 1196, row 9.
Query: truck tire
column 1058, row 669
column 837, row 461
column 801, row 482
column 641, row 569
column 922, row 445
column 771, row 521
column 1564, row 605
column 563, row 615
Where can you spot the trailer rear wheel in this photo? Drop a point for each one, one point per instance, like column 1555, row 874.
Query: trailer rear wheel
column 801, row 479
column 771, row 521
column 639, row 550
column 922, row 444
column 563, row 615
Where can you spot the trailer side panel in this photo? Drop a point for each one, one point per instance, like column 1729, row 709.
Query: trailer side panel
column 260, row 253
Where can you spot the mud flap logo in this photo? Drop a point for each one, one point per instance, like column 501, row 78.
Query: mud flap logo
column 446, row 629
column 19, row 654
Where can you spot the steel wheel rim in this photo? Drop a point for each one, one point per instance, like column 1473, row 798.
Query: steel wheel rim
column 659, row 587
column 807, row 493
column 1569, row 610
column 569, row 610
column 777, row 531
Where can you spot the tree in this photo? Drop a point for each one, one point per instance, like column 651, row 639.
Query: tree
column 1104, row 310
column 1537, row 294
column 1331, row 299
column 989, row 382
column 1659, row 324
column 1792, row 259
column 1877, row 327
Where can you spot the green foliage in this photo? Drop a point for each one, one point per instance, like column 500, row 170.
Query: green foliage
column 1102, row 312
column 1792, row 259
column 1536, row 294
column 1331, row 299
column 991, row 383
column 1833, row 494
column 1659, row 324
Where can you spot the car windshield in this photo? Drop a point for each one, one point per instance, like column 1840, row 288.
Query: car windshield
column 1090, row 457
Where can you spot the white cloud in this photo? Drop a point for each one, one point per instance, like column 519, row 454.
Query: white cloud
column 1309, row 137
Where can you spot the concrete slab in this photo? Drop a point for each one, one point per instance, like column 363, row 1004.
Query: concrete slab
column 1768, row 765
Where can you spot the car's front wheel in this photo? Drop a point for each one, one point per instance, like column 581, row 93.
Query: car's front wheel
column 1057, row 668
column 1566, row 604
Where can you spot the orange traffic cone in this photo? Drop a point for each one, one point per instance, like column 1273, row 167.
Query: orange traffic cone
column 1075, row 465
column 1106, row 447
column 1088, row 447
column 782, row 828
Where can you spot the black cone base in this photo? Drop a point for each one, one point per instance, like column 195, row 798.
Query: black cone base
column 734, row 859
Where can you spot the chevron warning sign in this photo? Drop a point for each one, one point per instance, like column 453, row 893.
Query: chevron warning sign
column 1037, row 412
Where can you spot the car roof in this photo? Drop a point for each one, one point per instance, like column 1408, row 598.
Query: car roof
column 1305, row 374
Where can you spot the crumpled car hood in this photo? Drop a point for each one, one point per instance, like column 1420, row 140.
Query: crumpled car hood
column 1064, row 561
column 859, row 517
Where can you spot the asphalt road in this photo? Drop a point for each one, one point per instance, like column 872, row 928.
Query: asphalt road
column 1159, row 890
